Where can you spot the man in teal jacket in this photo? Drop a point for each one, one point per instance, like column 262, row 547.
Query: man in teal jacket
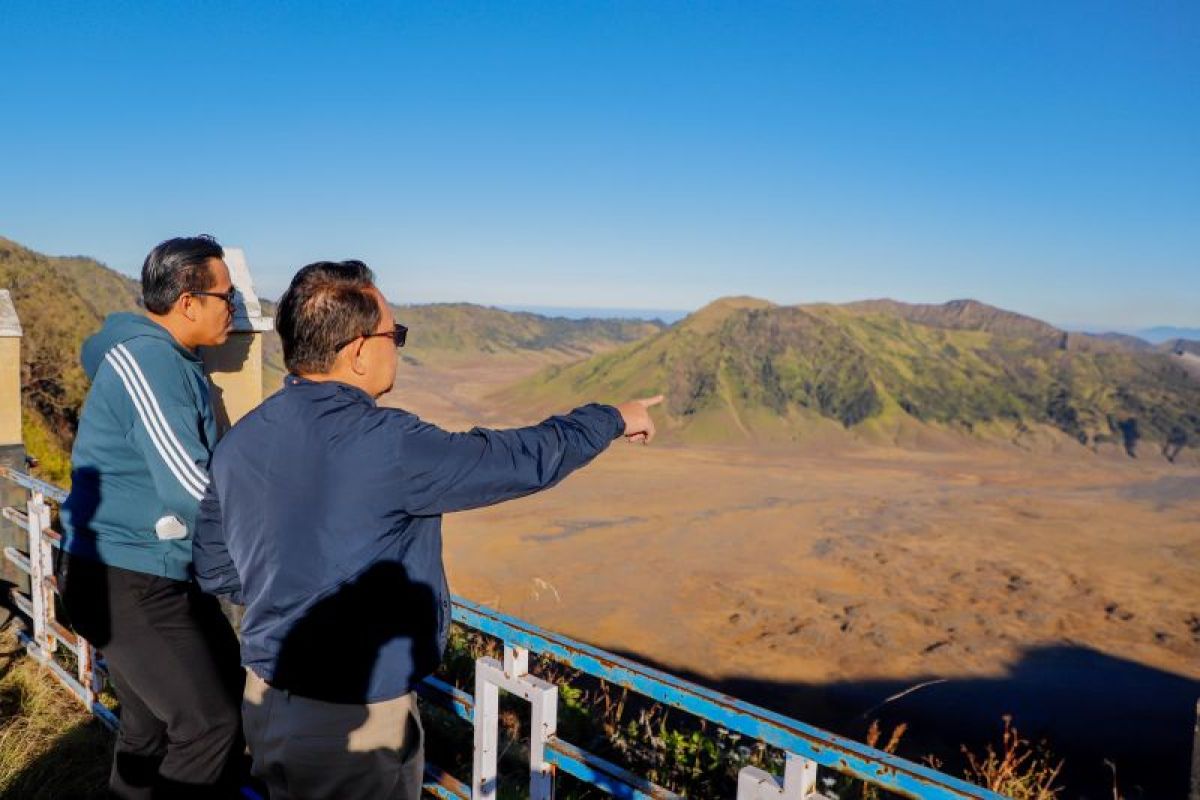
column 139, row 470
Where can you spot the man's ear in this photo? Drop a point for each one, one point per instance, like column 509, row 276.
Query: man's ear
column 186, row 304
column 358, row 365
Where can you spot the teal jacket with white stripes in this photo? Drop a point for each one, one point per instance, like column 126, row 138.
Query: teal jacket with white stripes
column 140, row 462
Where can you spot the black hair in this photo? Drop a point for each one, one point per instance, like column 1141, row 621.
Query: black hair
column 176, row 267
column 327, row 304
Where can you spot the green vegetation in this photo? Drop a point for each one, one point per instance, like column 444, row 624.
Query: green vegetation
column 972, row 369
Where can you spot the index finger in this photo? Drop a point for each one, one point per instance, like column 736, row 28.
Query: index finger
column 651, row 401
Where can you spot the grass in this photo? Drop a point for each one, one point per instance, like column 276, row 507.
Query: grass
column 1018, row 769
column 50, row 746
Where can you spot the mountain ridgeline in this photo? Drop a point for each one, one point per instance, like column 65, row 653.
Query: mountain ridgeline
column 448, row 331
column 743, row 369
column 739, row 371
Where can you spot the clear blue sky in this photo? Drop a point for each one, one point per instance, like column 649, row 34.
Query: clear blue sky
column 1041, row 156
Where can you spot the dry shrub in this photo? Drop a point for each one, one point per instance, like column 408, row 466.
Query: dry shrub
column 1019, row 770
column 869, row 791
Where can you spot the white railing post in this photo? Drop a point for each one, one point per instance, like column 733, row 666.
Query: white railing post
column 41, row 571
column 487, row 733
column 513, row 676
column 799, row 782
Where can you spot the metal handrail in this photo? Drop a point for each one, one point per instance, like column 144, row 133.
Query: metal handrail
column 806, row 747
column 844, row 755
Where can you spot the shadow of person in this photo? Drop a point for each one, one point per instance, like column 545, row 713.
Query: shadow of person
column 344, row 653
column 228, row 358
column 1092, row 708
column 87, row 611
column 8, row 609
column 75, row 766
column 331, row 653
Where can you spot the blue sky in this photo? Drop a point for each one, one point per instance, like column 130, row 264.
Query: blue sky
column 1043, row 157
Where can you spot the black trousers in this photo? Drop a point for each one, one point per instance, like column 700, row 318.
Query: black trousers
column 173, row 660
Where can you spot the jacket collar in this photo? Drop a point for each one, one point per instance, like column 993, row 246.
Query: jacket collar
column 326, row 388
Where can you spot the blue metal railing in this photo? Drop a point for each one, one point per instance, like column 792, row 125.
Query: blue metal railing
column 806, row 748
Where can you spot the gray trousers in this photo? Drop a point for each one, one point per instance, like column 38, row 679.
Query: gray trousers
column 305, row 749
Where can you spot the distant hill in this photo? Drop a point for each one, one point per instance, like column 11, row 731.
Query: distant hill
column 1121, row 340
column 1165, row 333
column 743, row 369
column 469, row 328
column 448, row 331
column 964, row 315
column 61, row 301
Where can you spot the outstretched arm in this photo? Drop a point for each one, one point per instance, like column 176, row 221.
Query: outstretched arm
column 442, row 471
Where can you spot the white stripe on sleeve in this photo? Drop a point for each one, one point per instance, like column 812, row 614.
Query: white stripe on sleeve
column 171, row 438
column 188, row 485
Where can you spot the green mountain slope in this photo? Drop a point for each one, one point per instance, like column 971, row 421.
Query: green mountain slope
column 60, row 301
column 742, row 370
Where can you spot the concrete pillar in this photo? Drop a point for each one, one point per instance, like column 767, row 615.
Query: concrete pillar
column 12, row 452
column 235, row 368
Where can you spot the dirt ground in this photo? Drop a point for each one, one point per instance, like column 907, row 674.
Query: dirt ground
column 1063, row 590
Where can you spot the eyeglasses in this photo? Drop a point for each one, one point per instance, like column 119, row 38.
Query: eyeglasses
column 399, row 334
column 228, row 297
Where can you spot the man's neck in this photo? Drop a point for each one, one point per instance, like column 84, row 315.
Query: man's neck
column 171, row 323
column 347, row 377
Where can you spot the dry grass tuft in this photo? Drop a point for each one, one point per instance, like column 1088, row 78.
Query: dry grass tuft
column 1019, row 770
column 50, row 746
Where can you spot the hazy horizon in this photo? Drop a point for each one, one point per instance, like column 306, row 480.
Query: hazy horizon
column 1155, row 332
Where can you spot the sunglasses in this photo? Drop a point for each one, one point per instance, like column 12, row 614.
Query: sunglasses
column 399, row 334
column 228, row 297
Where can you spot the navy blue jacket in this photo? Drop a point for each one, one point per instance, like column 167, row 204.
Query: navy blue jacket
column 323, row 518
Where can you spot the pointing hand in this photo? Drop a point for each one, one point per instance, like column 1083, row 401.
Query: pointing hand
column 636, row 413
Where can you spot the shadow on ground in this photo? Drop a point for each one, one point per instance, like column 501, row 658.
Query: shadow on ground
column 75, row 767
column 1091, row 708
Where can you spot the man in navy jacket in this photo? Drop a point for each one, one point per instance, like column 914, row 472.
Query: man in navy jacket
column 323, row 518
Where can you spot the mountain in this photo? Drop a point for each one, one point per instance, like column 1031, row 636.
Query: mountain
column 743, row 369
